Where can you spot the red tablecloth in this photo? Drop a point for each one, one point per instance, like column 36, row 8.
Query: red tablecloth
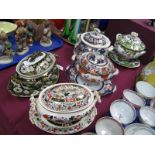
column 14, row 116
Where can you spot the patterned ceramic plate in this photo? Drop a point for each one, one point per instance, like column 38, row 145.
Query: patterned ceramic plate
column 103, row 88
column 124, row 63
column 44, row 125
column 21, row 88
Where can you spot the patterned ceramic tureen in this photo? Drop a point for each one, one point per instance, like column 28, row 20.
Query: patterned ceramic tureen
column 128, row 48
column 93, row 70
column 33, row 73
column 95, row 67
column 93, row 41
column 64, row 104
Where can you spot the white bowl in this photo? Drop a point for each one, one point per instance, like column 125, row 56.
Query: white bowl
column 139, row 129
column 133, row 98
column 147, row 115
column 123, row 111
column 145, row 89
column 108, row 126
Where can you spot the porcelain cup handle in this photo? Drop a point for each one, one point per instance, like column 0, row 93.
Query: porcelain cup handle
column 73, row 57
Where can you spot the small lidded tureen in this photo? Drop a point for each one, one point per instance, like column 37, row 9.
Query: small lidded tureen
column 93, row 41
column 33, row 73
column 129, row 46
column 64, row 105
column 94, row 71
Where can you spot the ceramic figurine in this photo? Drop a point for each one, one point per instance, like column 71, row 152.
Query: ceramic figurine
column 6, row 52
column 30, row 34
column 46, row 36
column 21, row 40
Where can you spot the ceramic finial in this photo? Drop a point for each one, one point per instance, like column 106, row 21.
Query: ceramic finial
column 134, row 34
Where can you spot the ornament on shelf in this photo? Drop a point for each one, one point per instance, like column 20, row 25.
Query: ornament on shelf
column 30, row 34
column 46, row 36
column 21, row 37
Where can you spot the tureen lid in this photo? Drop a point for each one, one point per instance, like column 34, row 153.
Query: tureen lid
column 66, row 98
column 95, row 39
column 96, row 64
column 130, row 41
column 123, row 111
column 139, row 129
column 35, row 65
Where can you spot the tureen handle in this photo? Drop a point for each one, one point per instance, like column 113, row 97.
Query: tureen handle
column 60, row 67
column 134, row 34
column 118, row 35
column 97, row 30
column 73, row 57
column 33, row 101
column 98, row 97
column 109, row 49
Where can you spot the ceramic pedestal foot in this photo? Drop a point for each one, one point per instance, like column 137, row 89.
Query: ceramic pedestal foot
column 5, row 60
column 46, row 44
column 23, row 51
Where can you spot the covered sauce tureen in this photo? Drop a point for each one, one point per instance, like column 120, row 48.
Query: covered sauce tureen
column 92, row 41
column 94, row 71
column 64, row 104
column 33, row 73
column 127, row 49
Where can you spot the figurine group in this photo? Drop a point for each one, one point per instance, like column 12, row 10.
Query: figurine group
column 25, row 35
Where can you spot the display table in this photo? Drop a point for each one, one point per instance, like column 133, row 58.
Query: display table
column 14, row 111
